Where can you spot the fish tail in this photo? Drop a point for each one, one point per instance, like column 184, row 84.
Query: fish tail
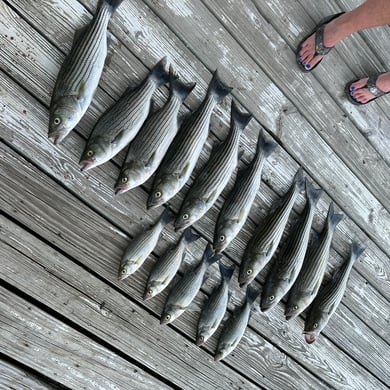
column 299, row 180
column 210, row 256
column 239, row 118
column 251, row 294
column 356, row 250
column 159, row 74
column 112, row 4
column 226, row 272
column 332, row 218
column 267, row 147
column 217, row 88
column 313, row 194
column 167, row 216
column 179, row 88
column 190, row 236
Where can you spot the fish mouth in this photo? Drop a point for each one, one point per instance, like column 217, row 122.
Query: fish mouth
column 146, row 297
column 219, row 356
column 122, row 277
column 267, row 306
column 290, row 317
column 57, row 137
column 310, row 337
column 179, row 227
column 151, row 204
column 121, row 189
column 86, row 165
column 163, row 321
column 200, row 341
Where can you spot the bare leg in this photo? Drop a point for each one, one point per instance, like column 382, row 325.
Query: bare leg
column 372, row 13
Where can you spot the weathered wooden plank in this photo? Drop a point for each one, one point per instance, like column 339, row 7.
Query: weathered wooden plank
column 94, row 245
column 346, row 229
column 351, row 59
column 34, row 338
column 13, row 377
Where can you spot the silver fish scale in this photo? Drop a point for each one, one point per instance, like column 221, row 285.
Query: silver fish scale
column 189, row 141
column 156, row 133
column 88, row 56
column 218, row 169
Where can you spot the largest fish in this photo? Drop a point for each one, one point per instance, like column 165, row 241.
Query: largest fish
column 264, row 242
column 239, row 201
column 117, row 127
column 80, row 73
column 214, row 176
column 329, row 297
column 184, row 152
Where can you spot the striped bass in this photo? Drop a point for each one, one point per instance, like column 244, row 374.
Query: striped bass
column 142, row 246
column 215, row 307
column 117, row 127
column 214, row 176
column 148, row 148
column 236, row 325
column 183, row 154
column 239, row 201
column 186, row 288
column 167, row 265
column 266, row 238
column 329, row 297
column 80, row 73
column 283, row 273
column 309, row 280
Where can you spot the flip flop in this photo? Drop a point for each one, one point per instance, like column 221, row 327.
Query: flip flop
column 320, row 48
column 370, row 85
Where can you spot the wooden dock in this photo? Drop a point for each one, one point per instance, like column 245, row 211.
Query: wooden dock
column 65, row 319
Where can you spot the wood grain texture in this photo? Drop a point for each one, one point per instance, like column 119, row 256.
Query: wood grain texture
column 44, row 343
column 95, row 244
column 13, row 377
column 277, row 174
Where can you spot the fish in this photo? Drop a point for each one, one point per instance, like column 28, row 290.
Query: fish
column 240, row 199
column 184, row 152
column 285, row 270
column 167, row 265
column 186, row 288
column 148, row 148
column 80, row 73
column 215, row 307
column 236, row 325
column 306, row 286
column 118, row 126
column 214, row 176
column 142, row 246
column 329, row 297
column 266, row 238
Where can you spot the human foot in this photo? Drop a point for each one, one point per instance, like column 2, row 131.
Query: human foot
column 313, row 48
column 369, row 88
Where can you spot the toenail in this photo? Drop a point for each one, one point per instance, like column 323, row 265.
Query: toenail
column 352, row 88
column 307, row 66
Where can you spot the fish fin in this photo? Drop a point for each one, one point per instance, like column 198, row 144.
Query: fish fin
column 226, row 272
column 332, row 218
column 299, row 180
column 81, row 91
column 112, row 4
column 167, row 216
column 313, row 195
column 118, row 137
column 178, row 88
column 238, row 118
column 251, row 294
column 159, row 74
column 267, row 147
column 182, row 119
column 139, row 260
column 217, row 88
column 79, row 34
column 190, row 236
column 356, row 250
column 194, row 307
column 151, row 160
column 240, row 153
column 184, row 171
column 211, row 198
column 210, row 256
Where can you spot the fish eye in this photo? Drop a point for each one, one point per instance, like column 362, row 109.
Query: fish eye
column 185, row 216
column 124, row 179
column 168, row 317
column 90, row 153
column 295, row 307
column 249, row 272
column 271, row 297
column 315, row 325
column 123, row 271
column 222, row 238
column 157, row 194
column 57, row 121
column 150, row 291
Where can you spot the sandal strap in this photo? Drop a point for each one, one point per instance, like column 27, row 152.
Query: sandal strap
column 371, row 86
column 321, row 49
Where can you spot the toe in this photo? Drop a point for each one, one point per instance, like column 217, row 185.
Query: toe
column 359, row 84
